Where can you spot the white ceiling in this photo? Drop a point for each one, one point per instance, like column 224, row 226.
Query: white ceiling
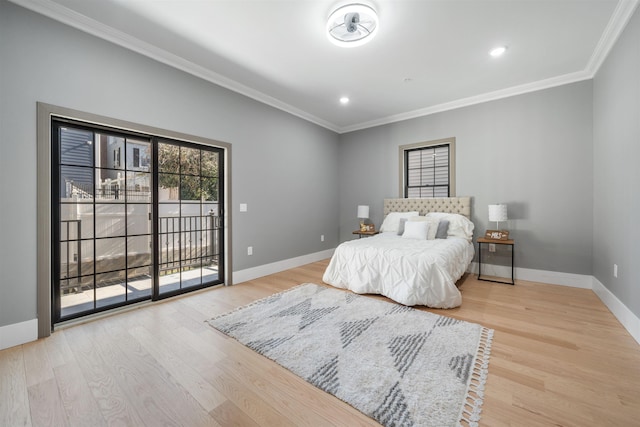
column 428, row 56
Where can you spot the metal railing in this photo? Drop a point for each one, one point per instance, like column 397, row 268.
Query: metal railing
column 188, row 241
column 71, row 271
column 184, row 242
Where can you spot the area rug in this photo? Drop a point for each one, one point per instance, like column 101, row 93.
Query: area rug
column 395, row 364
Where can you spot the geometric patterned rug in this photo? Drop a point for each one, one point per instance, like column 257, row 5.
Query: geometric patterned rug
column 395, row 364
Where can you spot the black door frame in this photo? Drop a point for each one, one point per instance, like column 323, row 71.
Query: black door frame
column 55, row 165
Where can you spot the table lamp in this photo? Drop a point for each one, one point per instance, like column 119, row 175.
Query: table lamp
column 363, row 213
column 498, row 213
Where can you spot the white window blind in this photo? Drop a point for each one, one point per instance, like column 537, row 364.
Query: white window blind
column 427, row 171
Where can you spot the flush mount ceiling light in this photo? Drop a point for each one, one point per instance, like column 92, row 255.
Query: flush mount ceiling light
column 344, row 100
column 352, row 25
column 498, row 51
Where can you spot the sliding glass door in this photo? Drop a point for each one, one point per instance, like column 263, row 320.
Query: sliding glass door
column 134, row 218
column 189, row 220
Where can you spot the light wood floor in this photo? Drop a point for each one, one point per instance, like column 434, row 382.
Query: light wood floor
column 559, row 358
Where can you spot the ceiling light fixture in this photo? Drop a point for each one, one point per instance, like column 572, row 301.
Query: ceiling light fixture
column 352, row 25
column 498, row 51
column 344, row 100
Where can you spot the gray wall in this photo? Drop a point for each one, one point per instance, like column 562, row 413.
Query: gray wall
column 616, row 135
column 283, row 167
column 533, row 152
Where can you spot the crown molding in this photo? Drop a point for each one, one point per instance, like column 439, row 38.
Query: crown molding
column 91, row 26
column 621, row 15
column 473, row 100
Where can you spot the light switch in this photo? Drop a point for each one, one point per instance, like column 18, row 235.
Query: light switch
column 243, row 207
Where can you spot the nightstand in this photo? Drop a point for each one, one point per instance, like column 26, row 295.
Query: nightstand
column 510, row 242
column 365, row 233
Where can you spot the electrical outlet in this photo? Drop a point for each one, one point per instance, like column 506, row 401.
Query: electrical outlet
column 492, row 247
column 322, row 237
column 615, row 270
column 250, row 250
column 243, row 207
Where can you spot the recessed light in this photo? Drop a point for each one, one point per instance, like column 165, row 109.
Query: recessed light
column 498, row 51
column 344, row 100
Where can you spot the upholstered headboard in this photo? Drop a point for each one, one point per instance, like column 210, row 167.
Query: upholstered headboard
column 459, row 205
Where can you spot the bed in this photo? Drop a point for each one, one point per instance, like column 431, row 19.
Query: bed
column 410, row 262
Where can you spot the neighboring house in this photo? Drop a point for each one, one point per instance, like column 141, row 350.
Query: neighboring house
column 568, row 162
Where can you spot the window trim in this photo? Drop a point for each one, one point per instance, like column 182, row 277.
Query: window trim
column 451, row 141
column 45, row 112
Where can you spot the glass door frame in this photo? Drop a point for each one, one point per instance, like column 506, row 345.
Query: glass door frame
column 158, row 226
column 44, row 271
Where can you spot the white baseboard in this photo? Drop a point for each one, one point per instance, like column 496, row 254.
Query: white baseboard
column 555, row 278
column 276, row 267
column 630, row 321
column 18, row 333
column 551, row 277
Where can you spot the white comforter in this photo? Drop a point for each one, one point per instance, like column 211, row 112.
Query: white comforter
column 409, row 271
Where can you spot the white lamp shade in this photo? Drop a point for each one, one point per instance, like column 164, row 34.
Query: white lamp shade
column 498, row 212
column 363, row 211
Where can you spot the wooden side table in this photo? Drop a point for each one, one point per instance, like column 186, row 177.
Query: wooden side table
column 365, row 233
column 510, row 242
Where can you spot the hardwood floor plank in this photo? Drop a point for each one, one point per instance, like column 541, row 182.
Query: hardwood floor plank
column 203, row 344
column 157, row 396
column 559, row 357
column 46, row 406
column 229, row 415
column 115, row 406
column 14, row 396
column 36, row 363
column 172, row 358
column 80, row 406
column 243, row 398
column 58, row 350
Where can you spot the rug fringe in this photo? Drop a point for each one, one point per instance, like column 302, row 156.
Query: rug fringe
column 470, row 412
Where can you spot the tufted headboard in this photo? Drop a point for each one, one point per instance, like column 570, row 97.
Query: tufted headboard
column 459, row 205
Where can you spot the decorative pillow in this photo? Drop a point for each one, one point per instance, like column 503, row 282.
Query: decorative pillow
column 433, row 225
column 459, row 225
column 401, row 226
column 392, row 220
column 443, row 228
column 415, row 230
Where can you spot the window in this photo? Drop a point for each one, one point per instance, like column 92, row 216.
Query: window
column 116, row 157
column 136, row 157
column 427, row 169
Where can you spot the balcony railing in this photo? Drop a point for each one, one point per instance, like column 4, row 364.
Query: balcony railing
column 184, row 243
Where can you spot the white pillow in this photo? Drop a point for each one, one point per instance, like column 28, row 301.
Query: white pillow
column 433, row 225
column 392, row 220
column 459, row 225
column 416, row 230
